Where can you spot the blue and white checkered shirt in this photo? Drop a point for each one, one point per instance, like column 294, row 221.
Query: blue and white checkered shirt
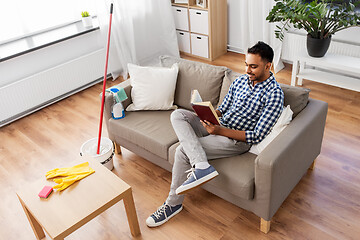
column 253, row 109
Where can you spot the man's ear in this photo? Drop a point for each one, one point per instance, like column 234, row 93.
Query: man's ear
column 268, row 66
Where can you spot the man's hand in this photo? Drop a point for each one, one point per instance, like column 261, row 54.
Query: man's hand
column 223, row 131
column 211, row 128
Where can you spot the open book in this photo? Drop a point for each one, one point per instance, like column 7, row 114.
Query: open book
column 204, row 110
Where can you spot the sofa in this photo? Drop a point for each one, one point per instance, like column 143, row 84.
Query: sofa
column 258, row 183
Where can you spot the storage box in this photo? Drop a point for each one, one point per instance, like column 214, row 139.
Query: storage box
column 199, row 22
column 200, row 45
column 181, row 18
column 181, row 1
column 183, row 41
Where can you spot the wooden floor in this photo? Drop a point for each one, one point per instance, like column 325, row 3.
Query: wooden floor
column 324, row 205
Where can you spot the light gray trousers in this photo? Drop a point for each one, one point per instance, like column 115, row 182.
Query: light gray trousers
column 196, row 145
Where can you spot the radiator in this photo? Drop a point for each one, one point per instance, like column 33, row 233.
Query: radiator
column 294, row 45
column 30, row 94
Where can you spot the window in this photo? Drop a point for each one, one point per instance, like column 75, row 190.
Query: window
column 22, row 18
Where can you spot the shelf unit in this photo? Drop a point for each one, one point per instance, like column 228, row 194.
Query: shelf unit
column 201, row 32
column 332, row 69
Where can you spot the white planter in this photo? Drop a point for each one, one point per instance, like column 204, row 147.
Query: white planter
column 87, row 21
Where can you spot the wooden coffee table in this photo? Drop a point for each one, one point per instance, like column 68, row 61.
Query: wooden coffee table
column 64, row 212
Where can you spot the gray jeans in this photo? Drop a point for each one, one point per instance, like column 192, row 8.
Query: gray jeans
column 196, row 145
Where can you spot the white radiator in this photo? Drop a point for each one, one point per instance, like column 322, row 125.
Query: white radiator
column 295, row 45
column 30, row 94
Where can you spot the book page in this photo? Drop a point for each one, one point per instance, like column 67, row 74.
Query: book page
column 195, row 97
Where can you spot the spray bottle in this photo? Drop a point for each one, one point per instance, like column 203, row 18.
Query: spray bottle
column 119, row 95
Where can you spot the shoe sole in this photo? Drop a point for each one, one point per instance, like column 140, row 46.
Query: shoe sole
column 167, row 219
column 190, row 186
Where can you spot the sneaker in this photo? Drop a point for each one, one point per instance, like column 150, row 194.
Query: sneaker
column 197, row 177
column 163, row 214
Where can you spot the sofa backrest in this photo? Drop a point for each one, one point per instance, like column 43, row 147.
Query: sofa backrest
column 206, row 78
column 296, row 97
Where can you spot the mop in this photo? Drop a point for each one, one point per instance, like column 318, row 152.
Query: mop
column 78, row 172
column 104, row 82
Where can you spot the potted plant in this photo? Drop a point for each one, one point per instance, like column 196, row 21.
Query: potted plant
column 320, row 19
column 86, row 19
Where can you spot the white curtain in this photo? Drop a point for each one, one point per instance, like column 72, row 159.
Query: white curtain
column 141, row 31
column 252, row 26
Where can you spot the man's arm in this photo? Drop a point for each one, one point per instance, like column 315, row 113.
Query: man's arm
column 218, row 113
column 223, row 131
column 268, row 118
column 270, row 114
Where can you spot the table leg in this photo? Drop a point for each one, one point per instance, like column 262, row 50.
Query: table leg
column 302, row 67
column 39, row 232
column 131, row 213
column 295, row 70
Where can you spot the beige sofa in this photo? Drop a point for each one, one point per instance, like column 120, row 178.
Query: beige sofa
column 256, row 183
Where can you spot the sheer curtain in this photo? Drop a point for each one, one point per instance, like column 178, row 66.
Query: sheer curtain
column 253, row 26
column 141, row 31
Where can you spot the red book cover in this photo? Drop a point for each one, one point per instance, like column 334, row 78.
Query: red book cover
column 206, row 112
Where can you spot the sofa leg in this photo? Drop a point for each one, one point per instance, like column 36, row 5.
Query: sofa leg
column 312, row 166
column 117, row 148
column 264, row 225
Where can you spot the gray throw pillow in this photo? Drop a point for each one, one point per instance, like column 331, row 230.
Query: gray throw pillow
column 296, row 97
column 229, row 77
column 206, row 78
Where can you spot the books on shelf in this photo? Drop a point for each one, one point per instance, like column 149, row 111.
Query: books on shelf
column 204, row 110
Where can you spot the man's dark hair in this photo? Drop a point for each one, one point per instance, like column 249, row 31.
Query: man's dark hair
column 265, row 51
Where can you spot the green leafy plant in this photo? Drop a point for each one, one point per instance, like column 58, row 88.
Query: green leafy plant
column 320, row 19
column 85, row 14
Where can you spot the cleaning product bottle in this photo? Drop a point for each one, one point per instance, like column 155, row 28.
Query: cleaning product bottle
column 117, row 110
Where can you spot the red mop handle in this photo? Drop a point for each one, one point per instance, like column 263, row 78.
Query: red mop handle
column 104, row 82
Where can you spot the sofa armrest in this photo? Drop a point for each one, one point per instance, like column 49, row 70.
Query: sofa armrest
column 281, row 165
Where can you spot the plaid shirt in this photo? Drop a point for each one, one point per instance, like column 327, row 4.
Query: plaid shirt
column 253, row 109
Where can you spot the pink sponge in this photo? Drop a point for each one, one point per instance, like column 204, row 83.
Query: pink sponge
column 45, row 192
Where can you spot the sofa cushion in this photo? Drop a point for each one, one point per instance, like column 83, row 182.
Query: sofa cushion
column 296, row 97
column 150, row 130
column 195, row 75
column 229, row 77
column 236, row 174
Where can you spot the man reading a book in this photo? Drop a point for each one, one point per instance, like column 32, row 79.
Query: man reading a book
column 248, row 112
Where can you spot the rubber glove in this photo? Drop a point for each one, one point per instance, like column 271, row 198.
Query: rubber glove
column 63, row 172
column 65, row 182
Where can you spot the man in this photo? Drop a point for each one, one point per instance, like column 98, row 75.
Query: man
column 247, row 114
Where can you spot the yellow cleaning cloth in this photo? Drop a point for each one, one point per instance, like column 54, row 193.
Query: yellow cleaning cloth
column 70, row 175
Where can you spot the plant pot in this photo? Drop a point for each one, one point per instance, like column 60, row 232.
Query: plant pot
column 317, row 47
column 87, row 21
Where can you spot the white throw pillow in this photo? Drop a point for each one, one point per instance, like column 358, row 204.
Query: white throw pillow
column 153, row 88
column 284, row 120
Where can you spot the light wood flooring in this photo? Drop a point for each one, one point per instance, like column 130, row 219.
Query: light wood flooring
column 324, row 205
